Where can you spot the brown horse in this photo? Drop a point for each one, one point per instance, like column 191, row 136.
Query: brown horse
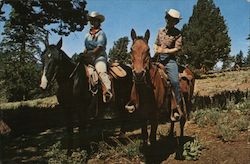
column 148, row 92
column 149, row 89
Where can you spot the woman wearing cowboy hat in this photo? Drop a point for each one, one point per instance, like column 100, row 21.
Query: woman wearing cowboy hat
column 167, row 44
column 95, row 46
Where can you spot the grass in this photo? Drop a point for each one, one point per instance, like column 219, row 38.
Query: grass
column 56, row 154
column 48, row 102
column 218, row 82
column 228, row 122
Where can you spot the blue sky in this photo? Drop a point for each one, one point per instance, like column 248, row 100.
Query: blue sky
column 123, row 15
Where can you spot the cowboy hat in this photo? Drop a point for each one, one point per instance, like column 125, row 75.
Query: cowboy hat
column 96, row 15
column 174, row 13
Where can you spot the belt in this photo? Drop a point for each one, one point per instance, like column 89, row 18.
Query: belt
column 167, row 59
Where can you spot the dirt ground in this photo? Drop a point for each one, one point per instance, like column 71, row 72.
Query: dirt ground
column 216, row 151
column 30, row 148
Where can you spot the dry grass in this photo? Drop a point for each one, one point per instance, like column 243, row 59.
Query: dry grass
column 48, row 102
column 218, row 82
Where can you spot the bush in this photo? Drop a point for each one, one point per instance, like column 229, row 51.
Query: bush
column 192, row 150
column 226, row 130
column 57, row 155
column 241, row 124
column 206, row 117
column 129, row 151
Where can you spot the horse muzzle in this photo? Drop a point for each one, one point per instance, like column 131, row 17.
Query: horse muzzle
column 139, row 77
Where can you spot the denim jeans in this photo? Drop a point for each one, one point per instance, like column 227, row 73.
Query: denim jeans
column 172, row 70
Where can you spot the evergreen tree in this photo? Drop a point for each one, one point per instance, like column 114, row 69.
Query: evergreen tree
column 23, row 32
column 239, row 59
column 119, row 51
column 205, row 37
column 19, row 48
column 247, row 59
column 66, row 15
column 228, row 62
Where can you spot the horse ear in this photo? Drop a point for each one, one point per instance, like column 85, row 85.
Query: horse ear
column 147, row 35
column 133, row 34
column 59, row 44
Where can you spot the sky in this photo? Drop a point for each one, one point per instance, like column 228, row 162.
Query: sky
column 123, row 15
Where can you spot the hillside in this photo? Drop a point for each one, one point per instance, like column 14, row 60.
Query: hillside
column 218, row 82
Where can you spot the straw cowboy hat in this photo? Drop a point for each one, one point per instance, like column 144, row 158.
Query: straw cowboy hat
column 174, row 13
column 96, row 15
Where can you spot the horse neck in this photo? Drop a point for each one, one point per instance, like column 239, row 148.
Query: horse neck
column 66, row 67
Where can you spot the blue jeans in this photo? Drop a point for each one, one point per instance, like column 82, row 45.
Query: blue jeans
column 172, row 70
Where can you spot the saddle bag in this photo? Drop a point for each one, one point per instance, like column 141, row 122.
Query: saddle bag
column 117, row 71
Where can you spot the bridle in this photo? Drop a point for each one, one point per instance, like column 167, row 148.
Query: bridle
column 145, row 72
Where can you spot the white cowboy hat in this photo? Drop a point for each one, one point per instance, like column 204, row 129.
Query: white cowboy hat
column 95, row 14
column 174, row 13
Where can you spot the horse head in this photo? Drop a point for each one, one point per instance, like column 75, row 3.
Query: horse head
column 140, row 56
column 50, row 60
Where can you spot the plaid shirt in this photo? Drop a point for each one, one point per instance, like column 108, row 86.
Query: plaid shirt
column 169, row 38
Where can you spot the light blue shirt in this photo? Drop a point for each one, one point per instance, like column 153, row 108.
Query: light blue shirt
column 93, row 41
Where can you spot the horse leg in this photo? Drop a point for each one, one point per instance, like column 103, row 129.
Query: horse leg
column 154, row 126
column 144, row 132
column 171, row 132
column 82, row 128
column 69, row 127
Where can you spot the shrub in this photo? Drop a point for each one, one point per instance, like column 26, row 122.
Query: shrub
column 56, row 154
column 192, row 150
column 241, row 124
column 206, row 117
column 225, row 129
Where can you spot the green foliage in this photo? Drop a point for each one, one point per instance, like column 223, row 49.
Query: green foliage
column 21, row 76
column 24, row 30
column 241, row 123
column 239, row 59
column 56, row 154
column 247, row 59
column 228, row 61
column 119, row 51
column 226, row 130
column 205, row 37
column 66, row 16
column 192, row 150
column 206, row 117
column 130, row 150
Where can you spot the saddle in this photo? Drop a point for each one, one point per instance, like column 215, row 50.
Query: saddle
column 115, row 70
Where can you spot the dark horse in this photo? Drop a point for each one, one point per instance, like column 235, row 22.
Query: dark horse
column 150, row 90
column 73, row 92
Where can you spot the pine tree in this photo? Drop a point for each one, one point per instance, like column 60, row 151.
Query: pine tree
column 228, row 62
column 247, row 59
column 119, row 51
column 19, row 49
column 23, row 31
column 66, row 15
column 239, row 59
column 206, row 39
